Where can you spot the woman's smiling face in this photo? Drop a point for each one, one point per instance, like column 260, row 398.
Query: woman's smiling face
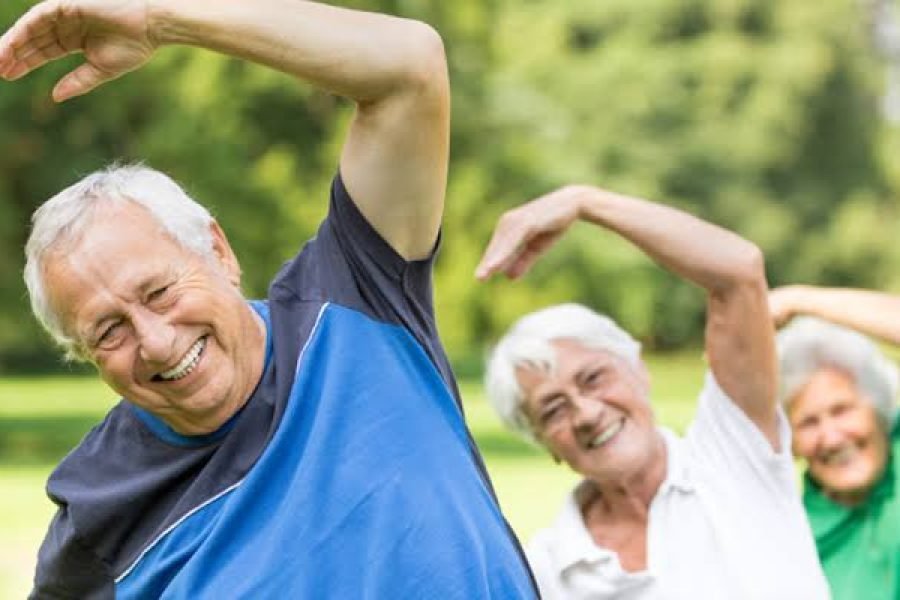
column 592, row 411
column 837, row 430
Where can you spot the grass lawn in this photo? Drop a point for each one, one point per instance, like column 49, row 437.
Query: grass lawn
column 41, row 419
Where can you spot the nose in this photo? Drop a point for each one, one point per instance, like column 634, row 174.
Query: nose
column 586, row 412
column 155, row 336
column 830, row 435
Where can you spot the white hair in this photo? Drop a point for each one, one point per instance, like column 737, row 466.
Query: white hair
column 528, row 344
column 64, row 218
column 810, row 344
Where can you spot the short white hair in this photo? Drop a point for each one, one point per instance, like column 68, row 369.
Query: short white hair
column 64, row 218
column 809, row 345
column 527, row 344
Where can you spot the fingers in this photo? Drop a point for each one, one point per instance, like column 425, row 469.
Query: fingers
column 501, row 252
column 34, row 56
column 35, row 39
column 779, row 307
column 80, row 81
column 523, row 234
column 514, row 248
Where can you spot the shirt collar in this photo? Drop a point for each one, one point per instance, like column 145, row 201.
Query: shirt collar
column 572, row 542
column 678, row 476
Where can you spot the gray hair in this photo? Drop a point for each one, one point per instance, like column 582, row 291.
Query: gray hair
column 65, row 217
column 528, row 344
column 810, row 344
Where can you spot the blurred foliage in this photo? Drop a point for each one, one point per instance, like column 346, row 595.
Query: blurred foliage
column 759, row 115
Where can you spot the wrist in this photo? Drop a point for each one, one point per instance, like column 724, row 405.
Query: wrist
column 160, row 22
column 172, row 22
column 588, row 202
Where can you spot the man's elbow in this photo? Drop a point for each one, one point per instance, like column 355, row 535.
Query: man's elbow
column 426, row 73
column 747, row 270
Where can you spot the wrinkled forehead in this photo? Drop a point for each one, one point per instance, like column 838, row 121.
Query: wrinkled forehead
column 114, row 255
column 824, row 387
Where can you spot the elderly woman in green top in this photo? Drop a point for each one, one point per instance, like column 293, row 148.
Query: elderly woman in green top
column 840, row 394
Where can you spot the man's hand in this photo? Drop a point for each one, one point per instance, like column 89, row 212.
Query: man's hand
column 394, row 162
column 525, row 233
column 114, row 37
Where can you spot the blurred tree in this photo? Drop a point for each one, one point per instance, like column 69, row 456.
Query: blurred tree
column 756, row 114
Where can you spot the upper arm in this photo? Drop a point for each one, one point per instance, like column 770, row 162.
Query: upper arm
column 740, row 342
column 394, row 162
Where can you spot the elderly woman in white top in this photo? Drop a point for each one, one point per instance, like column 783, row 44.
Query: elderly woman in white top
column 712, row 515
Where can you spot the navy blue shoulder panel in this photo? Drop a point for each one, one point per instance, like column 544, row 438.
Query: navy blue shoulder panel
column 350, row 264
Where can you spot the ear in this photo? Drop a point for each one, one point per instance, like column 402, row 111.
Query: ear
column 225, row 255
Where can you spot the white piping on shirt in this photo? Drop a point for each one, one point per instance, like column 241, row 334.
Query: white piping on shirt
column 227, row 490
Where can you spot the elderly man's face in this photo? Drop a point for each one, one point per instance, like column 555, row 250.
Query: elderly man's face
column 167, row 329
column 836, row 429
column 592, row 412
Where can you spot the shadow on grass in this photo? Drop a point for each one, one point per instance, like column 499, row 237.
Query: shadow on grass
column 40, row 441
column 506, row 446
column 46, row 440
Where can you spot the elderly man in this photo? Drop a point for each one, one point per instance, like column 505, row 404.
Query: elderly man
column 713, row 515
column 308, row 446
column 840, row 394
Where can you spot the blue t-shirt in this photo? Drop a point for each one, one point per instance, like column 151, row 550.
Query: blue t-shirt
column 349, row 473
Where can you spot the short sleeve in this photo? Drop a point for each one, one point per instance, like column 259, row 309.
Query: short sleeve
column 723, row 440
column 348, row 263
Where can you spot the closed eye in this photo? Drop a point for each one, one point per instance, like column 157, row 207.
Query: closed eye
column 108, row 333
column 592, row 378
column 551, row 408
column 157, row 293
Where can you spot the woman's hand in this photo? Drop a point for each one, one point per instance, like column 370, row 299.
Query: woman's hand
column 524, row 233
column 114, row 36
column 784, row 302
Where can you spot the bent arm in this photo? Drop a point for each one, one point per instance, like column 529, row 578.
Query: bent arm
column 394, row 162
column 739, row 333
column 870, row 312
column 395, row 159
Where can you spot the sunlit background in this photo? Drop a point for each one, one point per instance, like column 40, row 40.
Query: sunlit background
column 774, row 118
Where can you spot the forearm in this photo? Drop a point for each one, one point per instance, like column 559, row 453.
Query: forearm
column 870, row 312
column 709, row 256
column 395, row 158
column 364, row 56
column 739, row 334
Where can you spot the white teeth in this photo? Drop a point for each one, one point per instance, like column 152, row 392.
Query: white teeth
column 187, row 364
column 607, row 433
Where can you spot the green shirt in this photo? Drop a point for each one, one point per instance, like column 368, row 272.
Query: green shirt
column 860, row 547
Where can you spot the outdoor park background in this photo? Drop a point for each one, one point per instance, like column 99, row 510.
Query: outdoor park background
column 765, row 116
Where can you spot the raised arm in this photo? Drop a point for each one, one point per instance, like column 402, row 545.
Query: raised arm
column 873, row 313
column 394, row 162
column 739, row 332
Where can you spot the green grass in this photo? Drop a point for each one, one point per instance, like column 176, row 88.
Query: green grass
column 43, row 418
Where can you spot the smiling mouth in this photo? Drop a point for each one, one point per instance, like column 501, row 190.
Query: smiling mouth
column 186, row 365
column 840, row 457
column 607, row 434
